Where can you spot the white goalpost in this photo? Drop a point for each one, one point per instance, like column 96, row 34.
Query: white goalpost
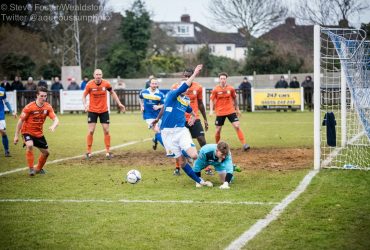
column 341, row 99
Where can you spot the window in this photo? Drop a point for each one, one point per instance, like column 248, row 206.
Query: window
column 183, row 29
column 228, row 48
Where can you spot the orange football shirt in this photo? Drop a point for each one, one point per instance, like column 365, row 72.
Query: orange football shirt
column 33, row 118
column 98, row 95
column 224, row 100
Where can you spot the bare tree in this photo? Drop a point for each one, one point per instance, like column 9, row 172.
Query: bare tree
column 251, row 16
column 328, row 12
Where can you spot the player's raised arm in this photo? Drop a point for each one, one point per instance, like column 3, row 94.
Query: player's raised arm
column 197, row 69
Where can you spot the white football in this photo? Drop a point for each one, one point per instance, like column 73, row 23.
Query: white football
column 133, row 176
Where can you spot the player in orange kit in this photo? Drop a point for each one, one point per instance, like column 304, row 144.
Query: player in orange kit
column 97, row 107
column 195, row 94
column 30, row 124
column 223, row 100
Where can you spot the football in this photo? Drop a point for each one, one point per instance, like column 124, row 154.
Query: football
column 133, row 176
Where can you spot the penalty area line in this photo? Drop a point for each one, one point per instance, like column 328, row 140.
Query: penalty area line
column 255, row 229
column 76, row 157
column 138, row 201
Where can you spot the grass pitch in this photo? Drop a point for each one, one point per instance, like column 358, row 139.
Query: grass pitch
column 82, row 204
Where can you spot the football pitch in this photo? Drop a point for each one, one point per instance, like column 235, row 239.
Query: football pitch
column 87, row 204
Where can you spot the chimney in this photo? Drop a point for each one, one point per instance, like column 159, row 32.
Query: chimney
column 290, row 21
column 343, row 23
column 185, row 18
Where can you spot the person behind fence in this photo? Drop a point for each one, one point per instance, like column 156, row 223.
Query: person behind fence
column 55, row 88
column 281, row 84
column 245, row 87
column 42, row 83
column 176, row 137
column 294, row 84
column 4, row 136
column 151, row 101
column 84, row 82
column 73, row 85
column 223, row 101
column 195, row 94
column 17, row 84
column 30, row 87
column 219, row 156
column 98, row 108
column 307, row 86
column 6, row 85
column 30, row 125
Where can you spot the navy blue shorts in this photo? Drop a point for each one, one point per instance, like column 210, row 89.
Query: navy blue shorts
column 92, row 117
column 220, row 120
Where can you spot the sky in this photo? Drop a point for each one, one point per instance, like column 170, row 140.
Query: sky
column 171, row 10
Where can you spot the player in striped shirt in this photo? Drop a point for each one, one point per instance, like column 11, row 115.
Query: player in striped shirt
column 30, row 124
column 151, row 101
column 223, row 100
column 97, row 108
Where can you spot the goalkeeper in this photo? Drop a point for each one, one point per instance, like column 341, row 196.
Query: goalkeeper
column 219, row 156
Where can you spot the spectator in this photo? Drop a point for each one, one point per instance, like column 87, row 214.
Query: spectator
column 307, row 85
column 30, row 87
column 55, row 88
column 281, row 84
column 147, row 83
column 6, row 85
column 245, row 86
column 294, row 84
column 42, row 83
column 17, row 84
column 73, row 85
column 84, row 82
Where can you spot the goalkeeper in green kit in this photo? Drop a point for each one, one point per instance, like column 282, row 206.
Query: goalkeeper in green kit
column 219, row 156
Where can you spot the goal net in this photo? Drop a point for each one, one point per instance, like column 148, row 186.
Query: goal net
column 342, row 99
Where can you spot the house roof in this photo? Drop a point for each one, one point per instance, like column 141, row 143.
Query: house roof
column 293, row 38
column 204, row 35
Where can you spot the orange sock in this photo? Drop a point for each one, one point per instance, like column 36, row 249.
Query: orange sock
column 89, row 140
column 177, row 164
column 240, row 136
column 107, row 142
column 30, row 158
column 217, row 137
column 41, row 163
